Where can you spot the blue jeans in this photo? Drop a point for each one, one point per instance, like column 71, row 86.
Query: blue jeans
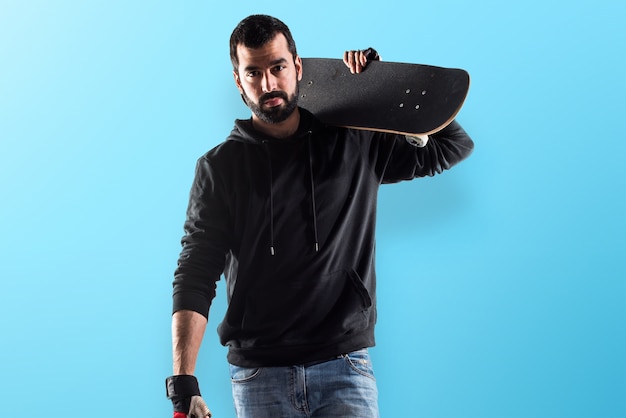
column 341, row 387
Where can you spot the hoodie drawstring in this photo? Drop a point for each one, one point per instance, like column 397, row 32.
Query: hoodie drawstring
column 316, row 244
column 271, row 187
column 269, row 164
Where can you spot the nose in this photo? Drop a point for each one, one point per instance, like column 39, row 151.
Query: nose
column 269, row 82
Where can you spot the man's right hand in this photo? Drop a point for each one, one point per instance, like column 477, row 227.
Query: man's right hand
column 184, row 392
column 198, row 408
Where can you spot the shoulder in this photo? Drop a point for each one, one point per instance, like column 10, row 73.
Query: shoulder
column 226, row 152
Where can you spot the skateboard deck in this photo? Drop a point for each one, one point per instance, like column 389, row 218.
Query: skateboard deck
column 386, row 96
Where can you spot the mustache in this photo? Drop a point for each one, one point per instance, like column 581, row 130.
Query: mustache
column 273, row 95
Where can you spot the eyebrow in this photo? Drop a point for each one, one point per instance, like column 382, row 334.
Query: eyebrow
column 272, row 63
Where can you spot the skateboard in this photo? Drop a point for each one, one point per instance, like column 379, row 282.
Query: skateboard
column 392, row 97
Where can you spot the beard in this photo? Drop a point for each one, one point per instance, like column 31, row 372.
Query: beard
column 274, row 114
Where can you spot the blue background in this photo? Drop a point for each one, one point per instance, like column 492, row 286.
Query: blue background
column 502, row 283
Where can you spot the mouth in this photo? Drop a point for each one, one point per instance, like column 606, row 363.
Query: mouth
column 273, row 99
column 277, row 101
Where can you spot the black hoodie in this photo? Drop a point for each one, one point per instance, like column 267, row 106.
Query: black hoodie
column 290, row 223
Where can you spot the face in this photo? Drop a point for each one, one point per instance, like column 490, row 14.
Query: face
column 267, row 78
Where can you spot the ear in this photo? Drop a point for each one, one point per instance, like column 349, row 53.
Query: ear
column 298, row 64
column 237, row 81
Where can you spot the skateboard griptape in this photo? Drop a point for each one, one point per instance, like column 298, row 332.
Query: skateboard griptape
column 385, row 96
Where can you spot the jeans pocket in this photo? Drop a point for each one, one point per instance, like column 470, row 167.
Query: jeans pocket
column 243, row 374
column 359, row 361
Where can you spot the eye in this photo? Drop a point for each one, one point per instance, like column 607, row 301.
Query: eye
column 252, row 74
column 279, row 68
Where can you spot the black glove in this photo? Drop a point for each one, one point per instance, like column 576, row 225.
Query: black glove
column 371, row 54
column 184, row 392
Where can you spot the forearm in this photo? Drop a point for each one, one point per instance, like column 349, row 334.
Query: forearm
column 455, row 134
column 187, row 332
column 443, row 150
column 422, row 158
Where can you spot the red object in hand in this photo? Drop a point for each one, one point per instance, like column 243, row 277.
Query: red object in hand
column 180, row 415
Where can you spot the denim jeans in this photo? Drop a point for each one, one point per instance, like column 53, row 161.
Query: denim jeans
column 341, row 387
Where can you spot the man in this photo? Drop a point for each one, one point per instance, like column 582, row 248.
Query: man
column 285, row 209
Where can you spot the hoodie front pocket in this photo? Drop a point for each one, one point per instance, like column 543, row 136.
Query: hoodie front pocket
column 315, row 310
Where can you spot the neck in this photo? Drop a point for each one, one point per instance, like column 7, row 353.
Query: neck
column 280, row 130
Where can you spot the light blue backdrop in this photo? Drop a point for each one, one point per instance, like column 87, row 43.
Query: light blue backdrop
column 502, row 282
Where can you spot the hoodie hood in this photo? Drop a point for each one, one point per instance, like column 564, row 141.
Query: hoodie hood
column 245, row 132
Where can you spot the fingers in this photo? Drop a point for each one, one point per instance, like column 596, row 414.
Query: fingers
column 355, row 60
column 198, row 408
column 348, row 59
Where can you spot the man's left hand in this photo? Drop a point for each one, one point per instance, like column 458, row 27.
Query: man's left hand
column 356, row 60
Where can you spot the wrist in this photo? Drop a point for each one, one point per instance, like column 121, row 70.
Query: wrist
column 180, row 389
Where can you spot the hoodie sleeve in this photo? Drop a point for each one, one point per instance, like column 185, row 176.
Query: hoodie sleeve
column 405, row 161
column 204, row 245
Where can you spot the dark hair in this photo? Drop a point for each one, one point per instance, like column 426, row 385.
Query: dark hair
column 255, row 31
